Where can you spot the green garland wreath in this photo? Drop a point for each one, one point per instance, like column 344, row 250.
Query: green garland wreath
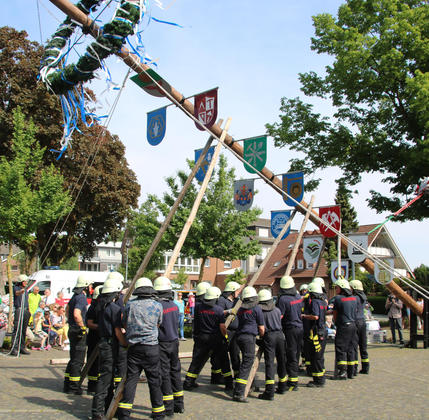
column 112, row 38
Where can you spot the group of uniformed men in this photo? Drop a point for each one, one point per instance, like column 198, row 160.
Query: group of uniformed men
column 143, row 335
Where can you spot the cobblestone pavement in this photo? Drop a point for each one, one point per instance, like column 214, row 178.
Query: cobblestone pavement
column 397, row 387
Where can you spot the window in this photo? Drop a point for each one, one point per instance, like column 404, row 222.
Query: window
column 263, row 232
column 310, row 265
column 207, row 263
column 112, row 267
column 14, row 268
column 300, row 264
column 276, row 264
column 191, row 265
column 110, row 252
column 227, row 264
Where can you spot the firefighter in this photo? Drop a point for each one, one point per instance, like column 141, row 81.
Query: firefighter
column 172, row 389
column 92, row 340
column 360, row 337
column 344, row 311
column 109, row 321
column 306, row 345
column 141, row 319
column 77, row 335
column 290, row 304
column 303, row 289
column 273, row 344
column 250, row 324
column 210, row 330
column 227, row 301
column 314, row 317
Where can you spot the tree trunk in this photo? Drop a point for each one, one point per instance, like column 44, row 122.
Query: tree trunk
column 9, row 280
column 200, row 276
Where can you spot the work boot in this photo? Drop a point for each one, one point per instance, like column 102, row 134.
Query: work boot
column 24, row 351
column 342, row 372
column 268, row 394
column 239, row 398
column 281, row 388
column 365, row 368
column 350, row 369
column 217, row 379
column 229, row 386
column 355, row 370
column 314, row 384
column 189, row 384
column 179, row 409
column 239, row 392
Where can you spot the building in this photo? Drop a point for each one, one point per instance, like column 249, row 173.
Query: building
column 107, row 257
column 15, row 264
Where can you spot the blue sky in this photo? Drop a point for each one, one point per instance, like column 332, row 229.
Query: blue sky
column 253, row 51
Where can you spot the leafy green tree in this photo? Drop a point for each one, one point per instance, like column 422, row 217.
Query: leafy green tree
column 31, row 194
column 238, row 276
column 70, row 264
column 378, row 85
column 422, row 275
column 181, row 277
column 219, row 230
column 102, row 195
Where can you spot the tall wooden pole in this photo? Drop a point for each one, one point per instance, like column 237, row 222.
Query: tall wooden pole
column 320, row 257
column 132, row 61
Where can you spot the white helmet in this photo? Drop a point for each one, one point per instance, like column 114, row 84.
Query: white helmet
column 161, row 284
column 21, row 278
column 342, row 283
column 315, row 288
column 96, row 292
column 231, row 286
column 212, row 293
column 356, row 285
column 111, row 286
column 143, row 282
column 115, row 275
column 287, row 282
column 249, row 292
column 202, row 288
column 264, row 295
column 319, row 280
column 83, row 281
column 303, row 287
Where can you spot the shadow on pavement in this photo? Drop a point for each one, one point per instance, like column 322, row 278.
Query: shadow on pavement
column 75, row 407
column 52, row 384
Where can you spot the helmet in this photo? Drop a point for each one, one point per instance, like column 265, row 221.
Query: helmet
column 21, row 278
column 319, row 280
column 356, row 284
column 202, row 288
column 287, row 282
column 315, row 288
column 212, row 293
column 342, row 283
column 143, row 282
column 83, row 281
column 264, row 295
column 162, row 283
column 249, row 292
column 111, row 285
column 115, row 275
column 303, row 287
column 231, row 286
column 97, row 292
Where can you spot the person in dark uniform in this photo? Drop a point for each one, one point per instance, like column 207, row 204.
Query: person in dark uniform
column 290, row 304
column 315, row 333
column 306, row 345
column 141, row 319
column 172, row 389
column 77, row 335
column 344, row 314
column 109, row 321
column 361, row 339
column 227, row 301
column 92, row 341
column 210, row 331
column 273, row 344
column 21, row 316
column 250, row 324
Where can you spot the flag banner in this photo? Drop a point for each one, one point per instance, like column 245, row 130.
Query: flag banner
column 243, row 194
column 381, row 275
column 201, row 173
column 332, row 216
column 255, row 153
column 278, row 220
column 205, row 109
column 293, row 185
column 156, row 125
column 355, row 254
column 148, row 85
column 312, row 247
column 335, row 273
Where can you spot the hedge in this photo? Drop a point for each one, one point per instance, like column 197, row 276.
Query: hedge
column 378, row 302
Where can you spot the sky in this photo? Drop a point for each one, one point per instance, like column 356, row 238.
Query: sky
column 253, row 52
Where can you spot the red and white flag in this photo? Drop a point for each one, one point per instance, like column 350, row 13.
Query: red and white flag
column 205, row 108
column 332, row 216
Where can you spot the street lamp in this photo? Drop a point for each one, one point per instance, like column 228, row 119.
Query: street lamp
column 127, row 245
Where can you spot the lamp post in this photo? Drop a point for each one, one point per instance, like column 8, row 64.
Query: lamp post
column 127, row 245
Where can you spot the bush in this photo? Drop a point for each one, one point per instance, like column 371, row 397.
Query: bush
column 187, row 330
column 378, row 302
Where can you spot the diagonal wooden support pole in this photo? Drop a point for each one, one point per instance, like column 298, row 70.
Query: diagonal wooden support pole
column 291, row 261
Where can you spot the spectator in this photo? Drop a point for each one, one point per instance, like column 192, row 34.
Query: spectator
column 394, row 306
column 60, row 301
column 3, row 325
column 191, row 304
column 181, row 305
column 48, row 298
column 41, row 307
column 58, row 323
column 421, row 303
column 38, row 332
column 34, row 299
column 47, row 327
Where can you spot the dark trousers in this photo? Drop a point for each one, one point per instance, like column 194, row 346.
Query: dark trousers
column 77, row 357
column 18, row 337
column 246, row 344
column 91, row 343
column 306, row 349
column 274, row 347
column 344, row 345
column 142, row 357
column 234, row 351
column 170, row 366
column 317, row 344
column 294, row 336
column 360, row 342
column 120, row 367
column 396, row 323
column 106, row 363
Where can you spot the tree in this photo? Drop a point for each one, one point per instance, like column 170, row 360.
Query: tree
column 181, row 277
column 31, row 194
column 239, row 276
column 378, row 85
column 218, row 231
column 102, row 202
column 422, row 275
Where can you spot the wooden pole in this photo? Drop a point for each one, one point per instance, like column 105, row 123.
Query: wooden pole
column 132, row 61
column 291, row 261
column 320, row 257
column 339, row 254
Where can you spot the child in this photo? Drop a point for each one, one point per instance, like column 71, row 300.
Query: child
column 47, row 327
column 38, row 332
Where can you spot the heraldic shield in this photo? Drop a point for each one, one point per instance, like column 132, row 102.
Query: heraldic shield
column 255, row 153
column 278, row 220
column 332, row 216
column 156, row 124
column 293, row 185
column 243, row 194
column 201, row 173
column 205, row 109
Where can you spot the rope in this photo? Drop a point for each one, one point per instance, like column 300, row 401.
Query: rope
column 40, row 22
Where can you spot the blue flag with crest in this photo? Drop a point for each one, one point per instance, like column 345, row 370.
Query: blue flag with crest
column 156, row 125
column 201, row 173
column 293, row 185
column 278, row 220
